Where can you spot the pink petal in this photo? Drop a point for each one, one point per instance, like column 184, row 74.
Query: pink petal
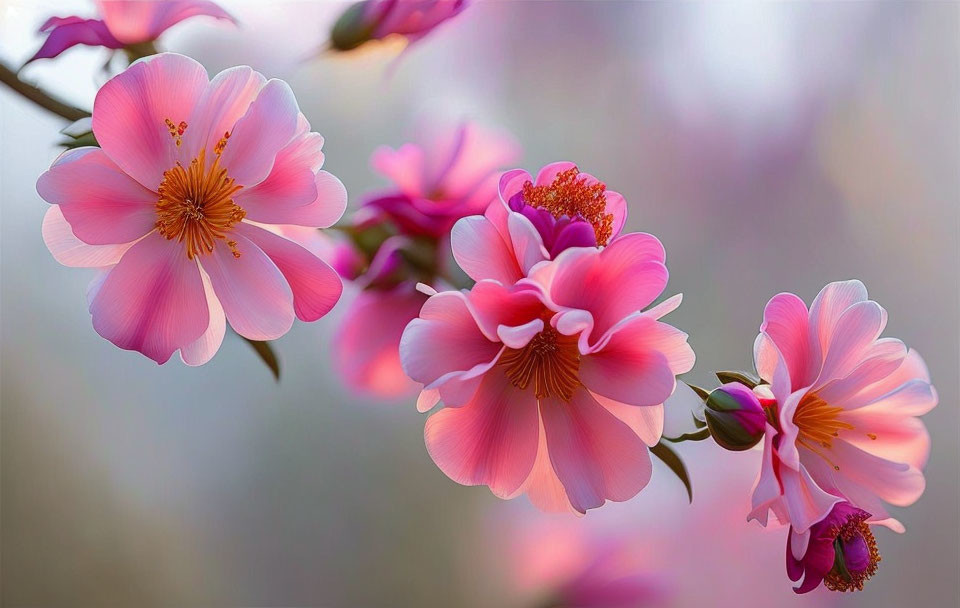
column 366, row 345
column 912, row 368
column 854, row 332
column 617, row 207
column 511, row 182
column 490, row 441
column 206, row 346
column 912, row 398
column 596, row 456
column 152, row 301
column 71, row 31
column 316, row 287
column 646, row 421
column 806, row 503
column 495, row 306
column 766, row 489
column 256, row 297
column 897, row 483
column 542, row 486
column 101, row 203
column 889, row 435
column 258, row 137
column 829, row 304
column 130, row 111
column 785, row 321
column 71, row 251
column 403, row 166
column 290, row 185
column 224, row 101
column 482, row 253
column 325, row 209
column 880, row 360
column 427, row 399
column 467, row 173
column 528, row 249
column 549, row 173
column 133, row 21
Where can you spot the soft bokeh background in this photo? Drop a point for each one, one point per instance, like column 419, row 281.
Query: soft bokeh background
column 770, row 146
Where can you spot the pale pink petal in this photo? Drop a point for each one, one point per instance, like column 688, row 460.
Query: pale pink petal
column 597, row 457
column 258, row 137
column 897, row 483
column 666, row 307
column 71, row 251
column 888, row 434
column 527, row 244
column 829, row 304
column 494, row 305
column 326, row 209
column 767, row 489
column 103, row 205
column 255, row 295
column 617, row 207
column 224, row 101
column 785, row 321
column 912, row 368
column 805, row 501
column 490, row 441
column 403, row 166
column 152, row 301
column 549, row 173
column 316, row 287
column 646, row 421
column 427, row 399
column 480, row 153
column 787, row 448
column 880, row 360
column 912, row 398
column 482, row 253
column 290, row 185
column 511, row 182
column 206, row 346
column 853, row 333
column 130, row 111
column 133, row 21
column 542, row 486
column 518, row 337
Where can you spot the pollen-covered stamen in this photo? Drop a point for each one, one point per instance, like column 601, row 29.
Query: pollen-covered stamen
column 196, row 205
column 572, row 197
column 855, row 555
column 818, row 424
column 550, row 362
column 176, row 131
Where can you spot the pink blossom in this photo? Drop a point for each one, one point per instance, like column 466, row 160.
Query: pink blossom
column 123, row 23
column 845, row 411
column 535, row 220
column 378, row 19
column 175, row 204
column 549, row 388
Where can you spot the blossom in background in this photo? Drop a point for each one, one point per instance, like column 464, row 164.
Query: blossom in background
column 183, row 206
column 122, row 24
column 549, row 388
column 400, row 236
column 535, row 220
column 844, row 424
column 377, row 19
column 841, row 553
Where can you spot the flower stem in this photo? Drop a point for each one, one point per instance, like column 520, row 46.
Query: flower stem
column 39, row 96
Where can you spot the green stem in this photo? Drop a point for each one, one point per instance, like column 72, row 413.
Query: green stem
column 39, row 96
column 700, row 435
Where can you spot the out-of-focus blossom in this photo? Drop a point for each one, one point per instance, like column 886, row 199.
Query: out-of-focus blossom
column 549, row 388
column 841, row 552
column 122, row 24
column 846, row 404
column 400, row 236
column 179, row 208
column 378, row 19
column 735, row 417
column 536, row 220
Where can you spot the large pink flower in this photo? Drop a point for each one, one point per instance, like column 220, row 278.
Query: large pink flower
column 174, row 207
column 123, row 23
column 844, row 423
column 550, row 388
column 535, row 220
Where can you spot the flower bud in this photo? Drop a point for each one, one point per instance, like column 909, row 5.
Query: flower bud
column 353, row 28
column 735, row 417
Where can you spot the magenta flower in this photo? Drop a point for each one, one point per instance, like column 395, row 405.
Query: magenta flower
column 179, row 208
column 845, row 407
column 841, row 552
column 551, row 389
column 378, row 19
column 735, row 416
column 401, row 237
column 123, row 23
column 536, row 220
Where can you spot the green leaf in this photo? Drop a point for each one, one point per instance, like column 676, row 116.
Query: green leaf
column 742, row 377
column 672, row 460
column 697, row 422
column 702, row 393
column 266, row 354
column 700, row 435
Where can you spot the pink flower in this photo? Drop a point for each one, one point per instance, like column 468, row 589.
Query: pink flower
column 536, row 220
column 549, row 388
column 844, row 414
column 123, row 23
column 841, row 553
column 378, row 19
column 175, row 205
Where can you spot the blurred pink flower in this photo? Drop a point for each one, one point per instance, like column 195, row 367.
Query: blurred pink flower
column 846, row 403
column 536, row 220
column 842, row 552
column 551, row 389
column 123, row 23
column 401, row 237
column 378, row 19
column 175, row 202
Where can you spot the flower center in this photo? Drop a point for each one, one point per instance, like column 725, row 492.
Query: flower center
column 550, row 361
column 572, row 197
column 855, row 556
column 817, row 422
column 196, row 203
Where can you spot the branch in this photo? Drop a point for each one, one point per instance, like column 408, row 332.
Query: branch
column 39, row 96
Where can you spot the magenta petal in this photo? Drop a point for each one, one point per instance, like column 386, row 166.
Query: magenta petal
column 203, row 349
column 133, row 21
column 597, row 457
column 152, row 301
column 255, row 295
column 316, row 287
column 490, row 441
column 71, row 31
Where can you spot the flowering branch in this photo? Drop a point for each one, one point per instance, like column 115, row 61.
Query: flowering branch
column 39, row 96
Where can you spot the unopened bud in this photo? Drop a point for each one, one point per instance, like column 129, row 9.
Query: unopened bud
column 735, row 417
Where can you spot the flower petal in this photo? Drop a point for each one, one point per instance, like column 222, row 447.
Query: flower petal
column 71, row 251
column 785, row 321
column 224, row 101
column 482, row 253
column 206, row 346
column 133, row 22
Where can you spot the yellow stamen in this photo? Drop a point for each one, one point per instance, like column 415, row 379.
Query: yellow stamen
column 818, row 424
column 572, row 197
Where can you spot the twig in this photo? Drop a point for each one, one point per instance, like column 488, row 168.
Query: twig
column 39, row 96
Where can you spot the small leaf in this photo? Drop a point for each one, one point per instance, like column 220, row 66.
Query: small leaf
column 703, row 393
column 703, row 433
column 672, row 460
column 266, row 354
column 742, row 377
column 697, row 422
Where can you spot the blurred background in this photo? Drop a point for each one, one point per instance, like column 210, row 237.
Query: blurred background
column 770, row 147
